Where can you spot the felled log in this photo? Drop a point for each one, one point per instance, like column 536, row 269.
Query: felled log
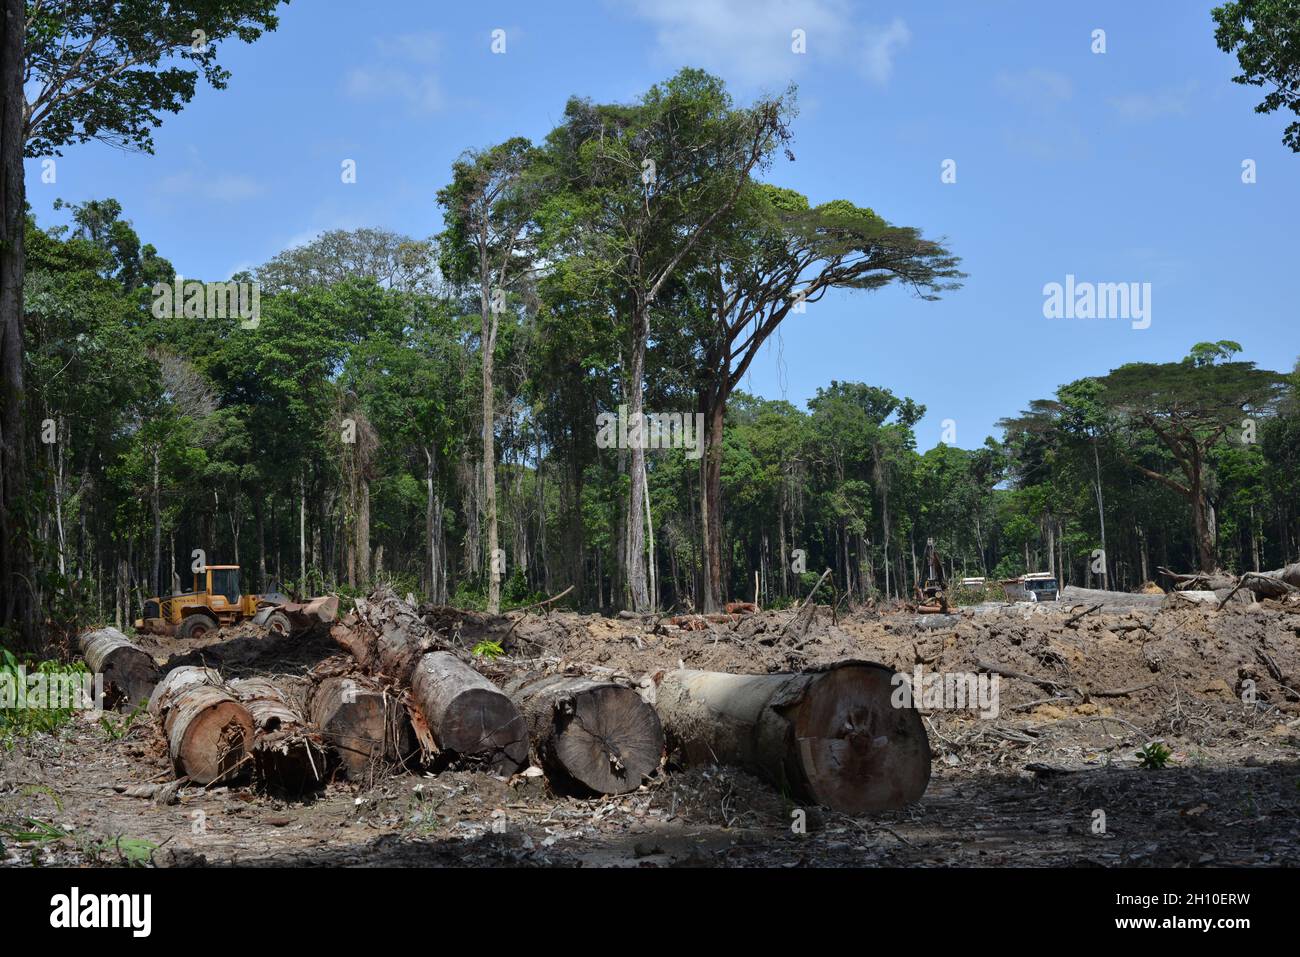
column 463, row 716
column 208, row 732
column 288, row 754
column 1110, row 601
column 830, row 737
column 178, row 680
column 318, row 611
column 469, row 718
column 129, row 673
column 592, row 736
column 366, row 725
column 1274, row 584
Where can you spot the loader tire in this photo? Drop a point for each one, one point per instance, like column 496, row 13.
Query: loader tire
column 196, row 626
column 279, row 624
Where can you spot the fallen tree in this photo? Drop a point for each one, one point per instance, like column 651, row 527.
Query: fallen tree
column 459, row 715
column 468, row 717
column 362, row 722
column 829, row 736
column 1110, row 601
column 590, row 735
column 288, row 754
column 129, row 673
column 209, row 733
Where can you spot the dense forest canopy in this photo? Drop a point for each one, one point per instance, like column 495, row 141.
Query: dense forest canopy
column 425, row 410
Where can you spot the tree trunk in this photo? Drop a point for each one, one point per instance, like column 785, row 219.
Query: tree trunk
column 302, row 533
column 830, row 737
column 590, row 736
column 713, row 410
column 364, row 567
column 488, row 349
column 129, row 674
column 17, row 576
column 634, row 545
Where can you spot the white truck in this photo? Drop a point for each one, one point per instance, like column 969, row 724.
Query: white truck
column 1036, row 586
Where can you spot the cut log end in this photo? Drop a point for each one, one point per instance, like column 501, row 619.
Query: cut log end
column 608, row 739
column 856, row 751
column 365, row 726
column 830, row 737
column 209, row 735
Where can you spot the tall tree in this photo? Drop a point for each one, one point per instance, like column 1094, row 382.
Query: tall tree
column 645, row 183
column 777, row 255
column 72, row 71
column 489, row 242
column 1190, row 406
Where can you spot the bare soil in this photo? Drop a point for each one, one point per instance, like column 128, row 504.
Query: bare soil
column 1032, row 786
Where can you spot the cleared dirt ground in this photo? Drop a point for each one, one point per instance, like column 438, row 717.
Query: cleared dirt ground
column 1028, row 787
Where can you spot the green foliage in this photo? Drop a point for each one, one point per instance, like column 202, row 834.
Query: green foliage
column 1154, row 756
column 109, row 72
column 115, row 730
column 18, row 722
column 490, row 650
column 1265, row 35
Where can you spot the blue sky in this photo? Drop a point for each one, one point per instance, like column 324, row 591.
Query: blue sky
column 1124, row 166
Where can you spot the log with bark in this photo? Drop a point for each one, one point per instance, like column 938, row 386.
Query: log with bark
column 363, row 722
column 1111, row 602
column 288, row 754
column 460, row 716
column 470, row 719
column 830, row 736
column 208, row 732
column 129, row 673
column 590, row 735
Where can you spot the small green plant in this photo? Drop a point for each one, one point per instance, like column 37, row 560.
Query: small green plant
column 133, row 852
column 1154, row 756
column 489, row 650
column 33, row 831
column 117, row 730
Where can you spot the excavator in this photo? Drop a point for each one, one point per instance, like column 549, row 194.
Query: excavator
column 931, row 597
column 216, row 601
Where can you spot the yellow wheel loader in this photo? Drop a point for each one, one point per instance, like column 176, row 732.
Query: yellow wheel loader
column 217, row 602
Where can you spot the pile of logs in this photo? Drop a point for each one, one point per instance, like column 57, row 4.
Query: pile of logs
column 408, row 695
column 1280, row 587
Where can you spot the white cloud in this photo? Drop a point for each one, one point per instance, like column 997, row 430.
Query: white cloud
column 405, row 73
column 421, row 92
column 749, row 41
column 1042, row 90
column 222, row 187
column 882, row 45
column 1150, row 106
